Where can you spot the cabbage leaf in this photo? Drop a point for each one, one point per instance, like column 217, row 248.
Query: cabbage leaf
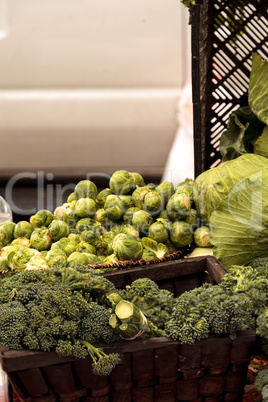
column 213, row 185
column 239, row 225
column 258, row 88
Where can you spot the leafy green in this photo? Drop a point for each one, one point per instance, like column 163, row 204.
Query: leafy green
column 258, row 88
column 215, row 184
column 239, row 224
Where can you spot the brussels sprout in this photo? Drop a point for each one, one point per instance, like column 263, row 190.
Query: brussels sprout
column 42, row 218
column 106, row 238
column 21, row 242
column 110, row 259
column 163, row 214
column 166, row 189
column 101, row 216
column 86, row 189
column 85, row 207
column 141, row 221
column 87, row 224
column 129, row 229
column 128, row 215
column 201, row 237
column 150, row 186
column 55, row 255
column 122, row 182
column 153, row 203
column 138, row 196
column 138, row 179
column 66, row 244
column 41, row 239
column 192, row 217
column 66, row 213
column 167, row 223
column 58, row 229
column 20, row 258
column 75, row 237
column 37, row 262
column 102, row 195
column 72, row 197
column 182, row 234
column 126, row 201
column 158, row 232
column 23, row 229
column 7, row 253
column 178, row 206
column 127, row 247
column 77, row 257
column 92, row 259
column 148, row 255
column 3, row 265
column 114, row 207
column 92, row 236
column 159, row 249
column 7, row 232
column 185, row 187
column 85, row 247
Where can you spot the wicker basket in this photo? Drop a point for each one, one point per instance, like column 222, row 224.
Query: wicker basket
column 222, row 48
column 157, row 369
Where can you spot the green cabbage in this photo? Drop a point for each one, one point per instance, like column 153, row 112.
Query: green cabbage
column 239, row 225
column 213, row 185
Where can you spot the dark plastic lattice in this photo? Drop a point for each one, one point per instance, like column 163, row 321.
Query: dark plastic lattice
column 224, row 36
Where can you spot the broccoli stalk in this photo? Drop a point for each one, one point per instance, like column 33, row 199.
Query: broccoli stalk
column 102, row 363
column 128, row 320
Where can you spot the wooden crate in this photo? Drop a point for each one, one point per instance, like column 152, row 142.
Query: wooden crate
column 151, row 370
column 222, row 48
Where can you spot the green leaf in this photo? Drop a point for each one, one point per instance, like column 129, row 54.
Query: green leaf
column 258, row 88
column 260, row 145
column 239, row 225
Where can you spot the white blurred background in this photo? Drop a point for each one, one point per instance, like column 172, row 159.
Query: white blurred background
column 90, row 86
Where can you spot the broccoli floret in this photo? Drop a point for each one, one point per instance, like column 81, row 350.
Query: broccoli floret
column 103, row 363
column 262, row 324
column 14, row 319
column 155, row 303
column 95, row 325
column 186, row 324
column 261, row 383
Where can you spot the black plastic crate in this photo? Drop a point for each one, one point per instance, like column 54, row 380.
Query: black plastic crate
column 224, row 35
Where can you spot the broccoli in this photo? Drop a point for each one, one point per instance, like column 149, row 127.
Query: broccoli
column 95, row 325
column 41, row 312
column 207, row 309
column 14, row 319
column 261, row 383
column 155, row 303
column 262, row 324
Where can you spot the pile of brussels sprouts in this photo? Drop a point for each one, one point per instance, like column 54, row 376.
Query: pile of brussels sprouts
column 130, row 220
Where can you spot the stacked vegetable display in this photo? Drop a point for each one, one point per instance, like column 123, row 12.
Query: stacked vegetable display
column 130, row 220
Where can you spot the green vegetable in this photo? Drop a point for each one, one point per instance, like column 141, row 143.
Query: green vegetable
column 21, row 242
column 84, row 247
column 182, row 234
column 55, row 255
column 159, row 249
column 66, row 244
column 153, row 202
column 86, row 189
column 40, row 239
column 78, row 257
column 127, row 247
column 200, row 251
column 178, row 206
column 114, row 207
column 72, row 197
column 238, row 226
column 138, row 179
column 128, row 215
column 122, row 182
column 23, row 229
column 102, row 195
column 42, row 218
column 158, row 232
column 21, row 257
column 258, row 89
column 166, row 190
column 58, row 229
column 7, row 232
column 142, row 220
column 201, row 237
column 37, row 262
column 214, row 185
column 85, row 207
column 138, row 196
